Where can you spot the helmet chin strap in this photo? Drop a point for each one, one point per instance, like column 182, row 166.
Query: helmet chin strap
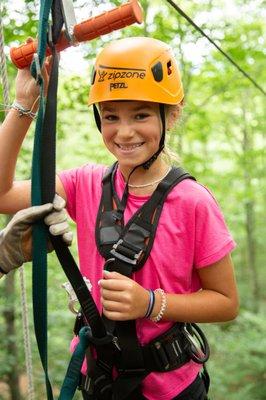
column 97, row 118
column 147, row 164
column 150, row 161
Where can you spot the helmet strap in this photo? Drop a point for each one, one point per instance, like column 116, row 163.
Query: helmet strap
column 146, row 165
column 97, row 118
column 150, row 161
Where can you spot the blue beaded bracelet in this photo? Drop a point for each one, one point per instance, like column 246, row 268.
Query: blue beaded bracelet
column 151, row 304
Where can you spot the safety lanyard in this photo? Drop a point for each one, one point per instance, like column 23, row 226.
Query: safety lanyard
column 43, row 190
column 39, row 256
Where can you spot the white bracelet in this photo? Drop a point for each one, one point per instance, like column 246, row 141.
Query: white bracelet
column 23, row 111
column 159, row 316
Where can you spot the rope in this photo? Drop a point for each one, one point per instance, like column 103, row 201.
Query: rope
column 26, row 334
column 3, row 68
column 243, row 72
column 24, row 308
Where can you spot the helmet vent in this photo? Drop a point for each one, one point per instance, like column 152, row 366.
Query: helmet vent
column 157, row 71
column 169, row 67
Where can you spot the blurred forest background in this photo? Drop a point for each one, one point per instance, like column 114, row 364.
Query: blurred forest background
column 221, row 141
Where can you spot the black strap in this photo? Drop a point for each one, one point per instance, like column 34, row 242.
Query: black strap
column 113, row 239
column 126, row 248
column 67, row 261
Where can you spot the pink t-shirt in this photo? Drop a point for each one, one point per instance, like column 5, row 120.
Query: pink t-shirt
column 191, row 234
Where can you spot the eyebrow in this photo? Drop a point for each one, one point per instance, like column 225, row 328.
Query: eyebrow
column 137, row 108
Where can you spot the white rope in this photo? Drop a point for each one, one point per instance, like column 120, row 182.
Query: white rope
column 3, row 69
column 24, row 308
column 26, row 334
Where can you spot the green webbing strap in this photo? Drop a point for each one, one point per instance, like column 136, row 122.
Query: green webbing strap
column 39, row 277
column 72, row 377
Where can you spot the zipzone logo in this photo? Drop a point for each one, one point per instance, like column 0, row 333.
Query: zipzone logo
column 126, row 74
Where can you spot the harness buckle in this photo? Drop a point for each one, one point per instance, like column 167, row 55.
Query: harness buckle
column 167, row 350
column 87, row 384
column 161, row 356
column 124, row 258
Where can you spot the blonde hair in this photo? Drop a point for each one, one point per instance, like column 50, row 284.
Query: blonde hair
column 170, row 156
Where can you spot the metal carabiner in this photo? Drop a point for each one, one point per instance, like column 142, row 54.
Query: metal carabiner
column 69, row 20
column 72, row 295
column 198, row 347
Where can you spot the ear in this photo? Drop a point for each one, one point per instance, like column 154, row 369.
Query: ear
column 173, row 115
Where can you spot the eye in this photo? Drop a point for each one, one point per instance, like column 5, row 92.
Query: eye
column 141, row 116
column 110, row 117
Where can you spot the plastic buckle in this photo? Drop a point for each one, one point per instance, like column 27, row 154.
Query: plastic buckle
column 123, row 257
column 177, row 349
column 87, row 385
column 161, row 356
column 109, row 338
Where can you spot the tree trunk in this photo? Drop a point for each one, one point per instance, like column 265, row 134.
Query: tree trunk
column 9, row 317
column 250, row 215
column 251, row 253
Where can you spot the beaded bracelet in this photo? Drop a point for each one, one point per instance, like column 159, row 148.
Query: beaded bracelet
column 23, row 111
column 151, row 303
column 159, row 316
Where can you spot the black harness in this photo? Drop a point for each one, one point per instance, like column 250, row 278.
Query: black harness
column 126, row 249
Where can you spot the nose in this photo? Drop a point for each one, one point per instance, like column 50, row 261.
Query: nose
column 125, row 130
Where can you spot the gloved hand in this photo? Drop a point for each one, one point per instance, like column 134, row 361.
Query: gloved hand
column 16, row 239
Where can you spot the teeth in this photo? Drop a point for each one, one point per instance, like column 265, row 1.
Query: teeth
column 129, row 147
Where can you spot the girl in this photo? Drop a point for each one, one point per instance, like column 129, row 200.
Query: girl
column 137, row 96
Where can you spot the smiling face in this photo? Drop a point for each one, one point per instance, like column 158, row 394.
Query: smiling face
column 131, row 130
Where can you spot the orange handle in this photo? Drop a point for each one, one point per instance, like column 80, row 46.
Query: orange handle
column 22, row 56
column 118, row 18
column 109, row 21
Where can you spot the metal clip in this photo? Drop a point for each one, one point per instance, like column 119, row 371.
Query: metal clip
column 69, row 19
column 72, row 295
column 38, row 67
column 122, row 257
column 198, row 348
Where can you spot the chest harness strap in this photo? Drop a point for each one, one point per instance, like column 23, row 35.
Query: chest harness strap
column 126, row 249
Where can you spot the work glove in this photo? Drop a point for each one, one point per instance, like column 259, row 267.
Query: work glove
column 16, row 238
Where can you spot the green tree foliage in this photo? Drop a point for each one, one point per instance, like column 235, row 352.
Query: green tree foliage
column 220, row 140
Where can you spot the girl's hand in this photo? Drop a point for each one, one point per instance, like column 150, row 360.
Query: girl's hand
column 27, row 89
column 122, row 298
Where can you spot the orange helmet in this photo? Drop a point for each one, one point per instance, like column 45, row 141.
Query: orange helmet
column 136, row 68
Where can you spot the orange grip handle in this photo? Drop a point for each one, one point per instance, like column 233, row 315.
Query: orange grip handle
column 109, row 21
column 118, row 18
column 22, row 56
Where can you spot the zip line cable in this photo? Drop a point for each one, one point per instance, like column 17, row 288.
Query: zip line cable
column 183, row 14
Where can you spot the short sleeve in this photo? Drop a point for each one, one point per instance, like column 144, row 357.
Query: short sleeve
column 212, row 237
column 69, row 181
